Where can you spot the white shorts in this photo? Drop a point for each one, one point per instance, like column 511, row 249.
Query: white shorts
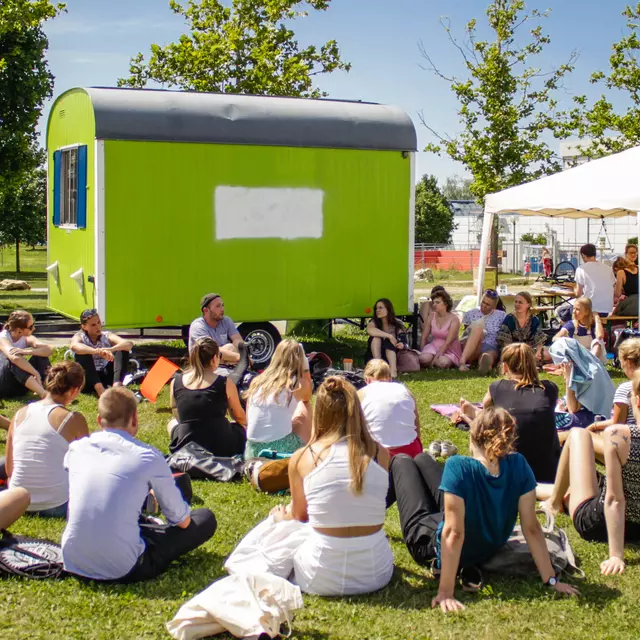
column 329, row 566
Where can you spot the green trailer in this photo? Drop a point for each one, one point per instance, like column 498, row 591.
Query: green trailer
column 290, row 208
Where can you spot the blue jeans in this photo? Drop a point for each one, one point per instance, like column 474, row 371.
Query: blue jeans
column 54, row 512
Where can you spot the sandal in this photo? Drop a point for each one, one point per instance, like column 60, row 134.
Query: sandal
column 464, row 367
column 484, row 364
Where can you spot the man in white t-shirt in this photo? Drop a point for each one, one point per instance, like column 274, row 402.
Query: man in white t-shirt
column 595, row 280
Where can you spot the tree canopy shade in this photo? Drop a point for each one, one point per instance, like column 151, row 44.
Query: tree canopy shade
column 434, row 217
column 25, row 80
column 246, row 47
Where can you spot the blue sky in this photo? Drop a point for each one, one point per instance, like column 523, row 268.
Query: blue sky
column 92, row 43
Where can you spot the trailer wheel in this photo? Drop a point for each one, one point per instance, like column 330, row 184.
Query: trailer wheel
column 262, row 338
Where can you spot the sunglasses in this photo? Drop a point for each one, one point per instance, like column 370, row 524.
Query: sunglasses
column 31, row 327
column 491, row 293
column 89, row 313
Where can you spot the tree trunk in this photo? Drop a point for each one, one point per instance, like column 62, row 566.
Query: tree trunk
column 495, row 239
column 17, row 256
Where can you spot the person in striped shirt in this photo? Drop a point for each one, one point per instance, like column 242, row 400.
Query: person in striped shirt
column 629, row 356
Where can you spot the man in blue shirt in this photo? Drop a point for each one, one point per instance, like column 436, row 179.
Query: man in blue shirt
column 215, row 325
column 110, row 476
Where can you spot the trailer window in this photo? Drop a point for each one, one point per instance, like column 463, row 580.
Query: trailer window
column 69, row 187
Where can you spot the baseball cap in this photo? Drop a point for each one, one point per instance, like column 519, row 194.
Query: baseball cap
column 208, row 299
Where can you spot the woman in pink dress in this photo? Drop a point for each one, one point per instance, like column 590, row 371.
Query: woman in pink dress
column 444, row 350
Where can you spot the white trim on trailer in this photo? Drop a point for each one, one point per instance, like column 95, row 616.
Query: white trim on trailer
column 98, row 218
column 412, row 226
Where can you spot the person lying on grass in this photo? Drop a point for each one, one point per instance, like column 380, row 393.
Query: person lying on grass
column 458, row 516
column 603, row 508
column 532, row 403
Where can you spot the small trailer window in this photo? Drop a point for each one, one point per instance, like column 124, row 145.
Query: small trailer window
column 70, row 187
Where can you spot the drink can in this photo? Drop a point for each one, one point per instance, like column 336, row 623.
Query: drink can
column 347, row 364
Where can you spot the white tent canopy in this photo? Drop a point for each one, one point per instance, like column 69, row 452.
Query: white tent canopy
column 608, row 187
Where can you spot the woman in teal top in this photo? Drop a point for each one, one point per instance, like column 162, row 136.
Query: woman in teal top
column 462, row 514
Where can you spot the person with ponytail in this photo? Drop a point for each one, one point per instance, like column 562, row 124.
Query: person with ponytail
column 17, row 374
column 278, row 404
column 200, row 399
column 532, row 403
column 339, row 483
column 39, row 438
column 457, row 516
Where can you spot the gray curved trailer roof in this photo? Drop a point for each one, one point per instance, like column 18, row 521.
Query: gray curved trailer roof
column 177, row 116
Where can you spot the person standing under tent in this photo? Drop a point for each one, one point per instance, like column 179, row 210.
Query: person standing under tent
column 595, row 280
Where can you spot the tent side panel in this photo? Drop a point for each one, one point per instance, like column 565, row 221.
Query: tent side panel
column 71, row 125
column 281, row 233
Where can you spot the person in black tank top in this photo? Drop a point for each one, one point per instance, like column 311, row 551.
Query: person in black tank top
column 201, row 411
column 532, row 403
column 627, row 286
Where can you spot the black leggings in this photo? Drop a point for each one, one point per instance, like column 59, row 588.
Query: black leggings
column 13, row 378
column 420, row 503
column 114, row 371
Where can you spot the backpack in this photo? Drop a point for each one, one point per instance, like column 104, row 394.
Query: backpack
column 30, row 557
column 270, row 476
column 515, row 558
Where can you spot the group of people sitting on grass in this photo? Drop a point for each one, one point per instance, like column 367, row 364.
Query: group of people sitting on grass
column 353, row 455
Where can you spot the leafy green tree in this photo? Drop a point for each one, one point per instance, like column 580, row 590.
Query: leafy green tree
column 457, row 188
column 23, row 210
column 247, row 47
column 609, row 130
column 434, row 217
column 25, row 80
column 507, row 105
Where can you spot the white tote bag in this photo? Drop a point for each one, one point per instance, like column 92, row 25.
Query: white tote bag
column 244, row 605
column 268, row 548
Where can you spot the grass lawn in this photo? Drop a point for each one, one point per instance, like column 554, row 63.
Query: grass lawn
column 32, row 265
column 507, row 608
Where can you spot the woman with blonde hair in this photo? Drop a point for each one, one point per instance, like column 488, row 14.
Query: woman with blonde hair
column 604, row 508
column 629, row 356
column 17, row 374
column 39, row 438
column 278, row 403
column 457, row 516
column 200, row 399
column 532, row 403
column 390, row 410
column 585, row 327
column 339, row 483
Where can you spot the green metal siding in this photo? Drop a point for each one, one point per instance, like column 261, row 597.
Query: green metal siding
column 161, row 253
column 71, row 122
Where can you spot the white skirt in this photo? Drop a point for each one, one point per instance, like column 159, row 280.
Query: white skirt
column 317, row 563
column 329, row 566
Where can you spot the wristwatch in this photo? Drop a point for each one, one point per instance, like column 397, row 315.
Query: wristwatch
column 551, row 582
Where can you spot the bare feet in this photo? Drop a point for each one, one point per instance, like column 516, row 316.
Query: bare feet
column 484, row 364
column 463, row 367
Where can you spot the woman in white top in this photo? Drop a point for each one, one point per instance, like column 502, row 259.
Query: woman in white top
column 339, row 483
column 390, row 411
column 17, row 374
column 39, row 438
column 278, row 409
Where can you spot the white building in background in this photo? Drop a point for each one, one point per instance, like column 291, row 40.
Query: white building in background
column 610, row 235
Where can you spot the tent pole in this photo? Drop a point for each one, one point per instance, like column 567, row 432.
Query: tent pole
column 487, row 226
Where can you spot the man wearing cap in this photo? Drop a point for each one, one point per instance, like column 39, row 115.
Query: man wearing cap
column 214, row 324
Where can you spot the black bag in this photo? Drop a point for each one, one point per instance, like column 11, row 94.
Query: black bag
column 201, row 464
column 30, row 557
column 355, row 377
